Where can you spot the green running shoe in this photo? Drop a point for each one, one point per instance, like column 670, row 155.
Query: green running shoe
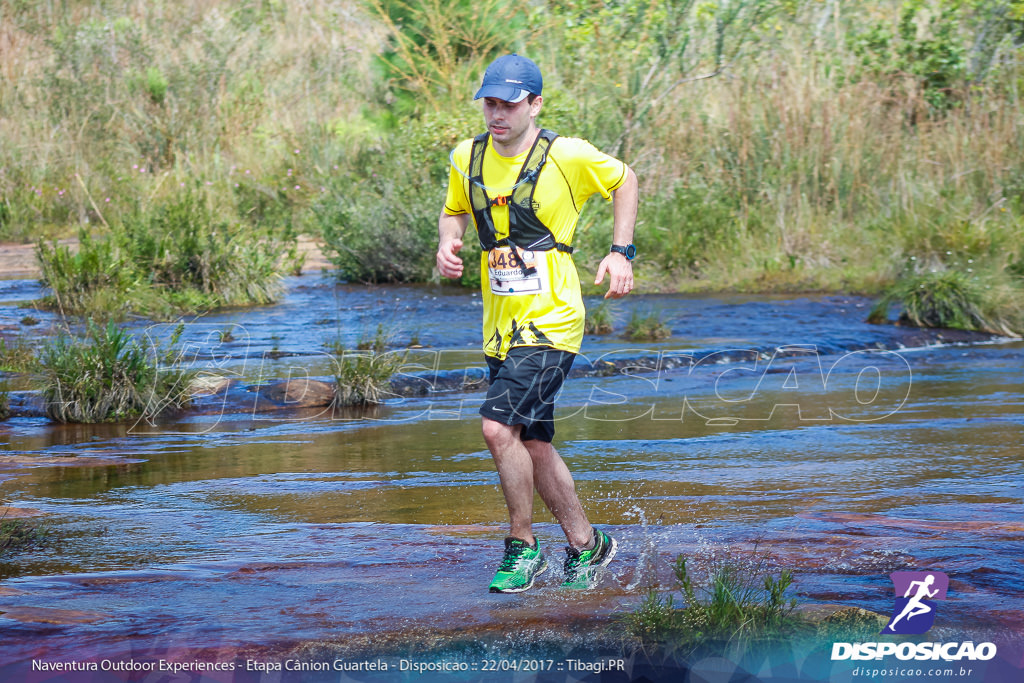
column 581, row 565
column 519, row 567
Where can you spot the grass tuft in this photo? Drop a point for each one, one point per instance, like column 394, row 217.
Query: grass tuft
column 950, row 299
column 175, row 257
column 647, row 326
column 598, row 320
column 109, row 376
column 363, row 377
column 733, row 602
column 20, row 534
column 17, row 355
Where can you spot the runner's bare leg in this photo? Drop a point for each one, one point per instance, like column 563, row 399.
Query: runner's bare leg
column 515, row 470
column 524, row 465
column 558, row 491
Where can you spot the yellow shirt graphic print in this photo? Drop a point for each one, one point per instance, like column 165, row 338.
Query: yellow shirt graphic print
column 533, row 298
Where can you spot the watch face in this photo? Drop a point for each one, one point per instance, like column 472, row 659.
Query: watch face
column 629, row 251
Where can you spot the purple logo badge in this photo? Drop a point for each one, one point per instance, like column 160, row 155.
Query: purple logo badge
column 916, row 593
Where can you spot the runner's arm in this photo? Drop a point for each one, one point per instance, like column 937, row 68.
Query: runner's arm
column 625, row 201
column 450, row 230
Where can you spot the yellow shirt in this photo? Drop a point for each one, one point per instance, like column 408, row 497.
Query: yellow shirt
column 544, row 309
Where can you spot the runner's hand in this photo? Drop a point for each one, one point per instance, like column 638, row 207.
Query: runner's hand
column 620, row 275
column 448, row 264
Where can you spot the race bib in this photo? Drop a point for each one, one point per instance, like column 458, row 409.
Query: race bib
column 510, row 275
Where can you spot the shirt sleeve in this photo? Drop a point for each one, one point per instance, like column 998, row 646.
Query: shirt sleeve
column 456, row 202
column 589, row 170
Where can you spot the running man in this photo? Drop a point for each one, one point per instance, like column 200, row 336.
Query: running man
column 523, row 188
column 915, row 607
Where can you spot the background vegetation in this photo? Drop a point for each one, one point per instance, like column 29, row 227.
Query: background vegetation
column 781, row 145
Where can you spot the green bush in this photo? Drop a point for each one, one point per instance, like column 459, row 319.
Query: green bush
column 176, row 256
column 436, row 49
column 953, row 299
column 935, row 59
column 940, row 46
column 379, row 222
column 382, row 227
column 109, row 376
column 690, row 228
column 187, row 247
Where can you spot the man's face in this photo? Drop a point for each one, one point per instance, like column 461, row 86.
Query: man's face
column 509, row 123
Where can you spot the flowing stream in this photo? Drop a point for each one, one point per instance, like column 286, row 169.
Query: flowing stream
column 776, row 430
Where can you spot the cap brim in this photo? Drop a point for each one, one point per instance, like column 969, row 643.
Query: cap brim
column 507, row 93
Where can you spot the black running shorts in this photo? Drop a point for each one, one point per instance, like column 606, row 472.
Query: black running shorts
column 523, row 389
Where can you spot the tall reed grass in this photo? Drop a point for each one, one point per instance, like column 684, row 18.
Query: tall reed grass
column 802, row 145
column 117, row 92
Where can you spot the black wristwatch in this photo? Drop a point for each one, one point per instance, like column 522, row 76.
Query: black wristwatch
column 629, row 251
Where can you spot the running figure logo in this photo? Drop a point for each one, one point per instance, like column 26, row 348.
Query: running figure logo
column 914, row 613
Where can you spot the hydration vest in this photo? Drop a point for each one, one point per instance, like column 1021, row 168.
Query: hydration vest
column 525, row 230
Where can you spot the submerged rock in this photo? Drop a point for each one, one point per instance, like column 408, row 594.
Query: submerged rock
column 208, row 385
column 299, row 393
column 49, row 615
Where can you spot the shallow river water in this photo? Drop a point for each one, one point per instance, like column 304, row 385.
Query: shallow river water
column 778, row 430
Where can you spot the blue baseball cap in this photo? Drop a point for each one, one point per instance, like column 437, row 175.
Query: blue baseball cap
column 511, row 78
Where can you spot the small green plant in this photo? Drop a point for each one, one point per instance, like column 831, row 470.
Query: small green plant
column 378, row 343
column 647, row 326
column 17, row 355
column 364, row 376
column 156, row 85
column 735, row 602
column 19, row 534
column 948, row 299
column 275, row 348
column 598, row 320
column 109, row 376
